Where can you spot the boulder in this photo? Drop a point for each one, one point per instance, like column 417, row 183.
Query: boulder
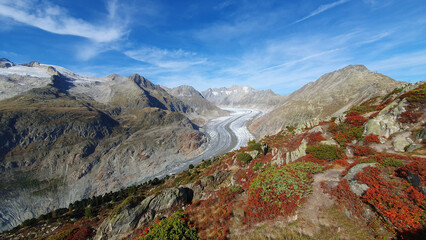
column 253, row 154
column 264, row 148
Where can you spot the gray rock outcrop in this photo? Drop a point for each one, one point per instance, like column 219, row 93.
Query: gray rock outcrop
column 386, row 122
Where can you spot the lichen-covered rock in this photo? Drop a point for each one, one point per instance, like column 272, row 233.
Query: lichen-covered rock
column 298, row 153
column 278, row 157
column 400, row 142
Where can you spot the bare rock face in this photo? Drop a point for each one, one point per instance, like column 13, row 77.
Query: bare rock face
column 243, row 97
column 65, row 137
column 133, row 214
column 331, row 95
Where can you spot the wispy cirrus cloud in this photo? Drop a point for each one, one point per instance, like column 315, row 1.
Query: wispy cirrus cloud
column 321, row 9
column 52, row 18
column 168, row 60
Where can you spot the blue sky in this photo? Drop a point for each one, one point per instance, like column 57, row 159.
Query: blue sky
column 280, row 45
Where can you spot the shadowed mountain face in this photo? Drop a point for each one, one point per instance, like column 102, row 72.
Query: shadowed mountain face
column 64, row 137
column 244, row 97
column 331, row 95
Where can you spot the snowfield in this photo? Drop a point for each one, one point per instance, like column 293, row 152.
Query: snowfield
column 25, row 71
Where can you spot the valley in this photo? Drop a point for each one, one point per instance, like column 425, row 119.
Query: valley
column 226, row 134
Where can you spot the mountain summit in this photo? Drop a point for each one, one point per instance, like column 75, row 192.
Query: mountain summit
column 330, row 95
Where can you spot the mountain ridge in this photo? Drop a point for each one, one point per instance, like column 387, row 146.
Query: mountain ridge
column 243, row 97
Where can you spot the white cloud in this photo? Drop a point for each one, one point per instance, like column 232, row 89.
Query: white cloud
column 321, row 9
column 166, row 59
column 52, row 18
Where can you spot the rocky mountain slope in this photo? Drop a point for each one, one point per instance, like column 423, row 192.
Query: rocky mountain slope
column 65, row 137
column 243, row 97
column 196, row 101
column 330, row 95
column 365, row 168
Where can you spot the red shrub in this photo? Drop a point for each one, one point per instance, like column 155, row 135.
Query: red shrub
column 81, row 234
column 372, row 138
column 341, row 162
column 409, row 117
column 363, row 151
column 314, row 138
column 355, row 120
column 399, row 207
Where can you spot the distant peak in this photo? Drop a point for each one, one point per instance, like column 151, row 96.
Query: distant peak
column 358, row 67
column 113, row 76
column 6, row 63
column 32, row 64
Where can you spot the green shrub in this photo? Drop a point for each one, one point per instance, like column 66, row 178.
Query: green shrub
column 89, row 212
column 210, row 177
column 255, row 146
column 176, row 226
column 191, row 166
column 290, row 128
column 235, row 188
column 29, row 222
column 257, row 166
column 244, row 157
column 132, row 190
column 391, row 162
column 325, row 152
column 357, row 109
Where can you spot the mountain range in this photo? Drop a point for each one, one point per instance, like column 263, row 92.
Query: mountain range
column 244, row 97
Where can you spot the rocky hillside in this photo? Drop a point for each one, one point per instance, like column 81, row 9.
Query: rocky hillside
column 196, row 101
column 243, row 97
column 330, row 95
column 364, row 168
column 64, row 137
